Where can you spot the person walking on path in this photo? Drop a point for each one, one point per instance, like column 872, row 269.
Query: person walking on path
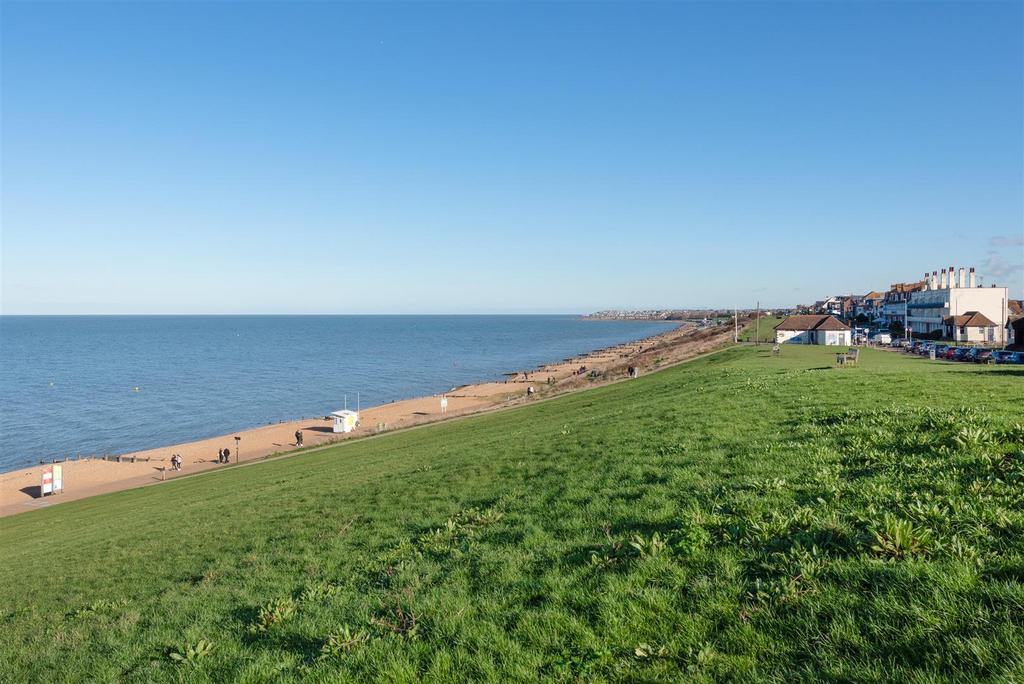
column 220, row 455
column 298, row 438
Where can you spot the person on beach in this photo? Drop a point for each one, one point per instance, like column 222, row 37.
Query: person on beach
column 220, row 455
column 227, row 455
column 529, row 391
column 175, row 462
column 298, row 438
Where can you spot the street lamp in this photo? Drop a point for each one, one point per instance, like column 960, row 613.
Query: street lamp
column 238, row 447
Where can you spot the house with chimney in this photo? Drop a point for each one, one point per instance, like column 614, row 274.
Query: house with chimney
column 952, row 301
column 812, row 329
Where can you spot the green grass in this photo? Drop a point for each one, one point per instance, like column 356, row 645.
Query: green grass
column 743, row 517
column 766, row 327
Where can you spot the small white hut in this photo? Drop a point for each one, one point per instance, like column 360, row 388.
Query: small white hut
column 345, row 421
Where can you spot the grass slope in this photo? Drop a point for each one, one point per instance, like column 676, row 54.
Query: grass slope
column 766, row 332
column 740, row 517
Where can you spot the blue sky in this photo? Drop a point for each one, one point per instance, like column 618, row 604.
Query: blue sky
column 348, row 158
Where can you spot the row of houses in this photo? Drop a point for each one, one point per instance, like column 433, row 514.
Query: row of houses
column 949, row 304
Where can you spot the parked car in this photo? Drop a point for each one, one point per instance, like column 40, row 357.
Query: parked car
column 949, row 353
column 882, row 338
column 983, row 356
column 899, row 342
column 959, row 353
column 915, row 346
column 1002, row 356
column 940, row 351
column 926, row 348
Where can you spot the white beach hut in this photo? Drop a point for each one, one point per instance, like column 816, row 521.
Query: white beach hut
column 345, row 421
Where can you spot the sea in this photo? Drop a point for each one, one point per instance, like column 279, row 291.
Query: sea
column 85, row 385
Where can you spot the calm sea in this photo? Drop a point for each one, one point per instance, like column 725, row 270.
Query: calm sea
column 67, row 383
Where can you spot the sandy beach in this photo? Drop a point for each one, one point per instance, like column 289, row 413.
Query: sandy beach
column 19, row 489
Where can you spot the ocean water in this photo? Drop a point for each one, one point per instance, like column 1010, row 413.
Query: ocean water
column 67, row 383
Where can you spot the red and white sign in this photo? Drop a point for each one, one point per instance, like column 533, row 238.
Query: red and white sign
column 47, row 487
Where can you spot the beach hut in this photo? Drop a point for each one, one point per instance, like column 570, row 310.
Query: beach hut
column 345, row 421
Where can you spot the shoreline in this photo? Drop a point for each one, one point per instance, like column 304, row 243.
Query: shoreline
column 83, row 478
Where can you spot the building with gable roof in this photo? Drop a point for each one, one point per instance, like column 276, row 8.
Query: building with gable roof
column 812, row 329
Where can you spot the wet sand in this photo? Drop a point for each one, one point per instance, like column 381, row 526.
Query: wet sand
column 19, row 490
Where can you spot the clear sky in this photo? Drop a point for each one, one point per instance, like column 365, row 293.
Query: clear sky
column 223, row 157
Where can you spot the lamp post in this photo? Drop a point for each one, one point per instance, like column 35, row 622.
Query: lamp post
column 238, row 447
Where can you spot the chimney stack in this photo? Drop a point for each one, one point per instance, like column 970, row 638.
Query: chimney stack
column 971, row 281
column 952, row 274
column 942, row 279
column 935, row 280
column 961, row 278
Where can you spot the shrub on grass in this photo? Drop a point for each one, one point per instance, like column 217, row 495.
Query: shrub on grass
column 190, row 654
column 273, row 613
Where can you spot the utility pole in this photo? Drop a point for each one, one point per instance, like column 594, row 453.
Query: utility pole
column 735, row 325
column 757, row 324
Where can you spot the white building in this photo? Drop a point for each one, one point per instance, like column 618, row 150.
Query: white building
column 812, row 329
column 950, row 294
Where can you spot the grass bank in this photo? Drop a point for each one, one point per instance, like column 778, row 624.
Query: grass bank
column 741, row 516
column 760, row 332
